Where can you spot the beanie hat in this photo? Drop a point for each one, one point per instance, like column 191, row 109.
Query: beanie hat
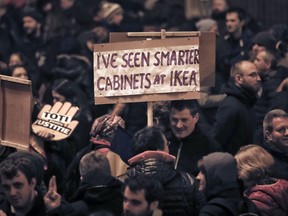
column 108, row 10
column 105, row 127
column 266, row 40
column 205, row 24
column 34, row 14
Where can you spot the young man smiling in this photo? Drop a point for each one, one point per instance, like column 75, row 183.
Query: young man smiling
column 18, row 179
column 188, row 143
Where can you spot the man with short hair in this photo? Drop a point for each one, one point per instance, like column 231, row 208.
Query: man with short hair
column 235, row 119
column 265, row 61
column 275, row 127
column 180, row 196
column 18, row 179
column 235, row 45
column 188, row 143
column 141, row 196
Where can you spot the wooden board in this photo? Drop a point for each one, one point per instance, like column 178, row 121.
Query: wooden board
column 207, row 60
column 15, row 112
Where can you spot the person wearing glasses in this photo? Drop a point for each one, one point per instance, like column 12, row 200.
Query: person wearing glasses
column 234, row 123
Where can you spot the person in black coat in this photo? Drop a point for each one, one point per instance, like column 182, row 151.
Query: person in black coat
column 275, row 127
column 98, row 190
column 181, row 195
column 235, row 119
column 218, row 179
column 188, row 142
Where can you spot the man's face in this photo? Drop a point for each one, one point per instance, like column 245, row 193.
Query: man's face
column 18, row 191
column 135, row 204
column 233, row 24
column 30, row 25
column 260, row 62
column 117, row 18
column 279, row 135
column 219, row 5
column 250, row 78
column 182, row 122
column 66, row 4
column 256, row 48
column 202, row 181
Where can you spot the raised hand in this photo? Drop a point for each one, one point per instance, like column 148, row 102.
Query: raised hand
column 52, row 199
column 55, row 123
column 2, row 213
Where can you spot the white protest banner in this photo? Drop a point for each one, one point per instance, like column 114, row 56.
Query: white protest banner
column 147, row 71
column 141, row 70
column 55, row 123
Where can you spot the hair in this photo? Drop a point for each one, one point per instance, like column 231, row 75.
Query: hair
column 180, row 105
column 270, row 57
column 152, row 187
column 237, row 68
column 94, row 162
column 21, row 56
column 240, row 12
column 149, row 138
column 254, row 163
column 10, row 167
column 267, row 122
column 13, row 67
column 36, row 159
column 71, row 91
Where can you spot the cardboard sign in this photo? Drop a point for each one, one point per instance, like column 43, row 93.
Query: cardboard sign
column 55, row 123
column 15, row 112
column 147, row 71
column 146, row 68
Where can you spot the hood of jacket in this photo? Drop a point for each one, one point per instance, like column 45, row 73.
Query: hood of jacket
column 246, row 96
column 220, row 172
column 98, row 187
column 158, row 164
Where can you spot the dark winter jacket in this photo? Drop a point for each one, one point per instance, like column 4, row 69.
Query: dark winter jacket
column 280, row 168
column 181, row 195
column 97, row 192
column 221, row 182
column 270, row 199
column 235, row 119
column 193, row 148
column 266, row 100
column 38, row 207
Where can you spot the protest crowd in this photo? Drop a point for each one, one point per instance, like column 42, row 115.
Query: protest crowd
column 224, row 154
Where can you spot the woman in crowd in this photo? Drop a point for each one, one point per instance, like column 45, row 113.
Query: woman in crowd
column 270, row 195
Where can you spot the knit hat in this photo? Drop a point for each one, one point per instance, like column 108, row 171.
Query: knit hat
column 34, row 14
column 266, row 40
column 205, row 24
column 105, row 127
column 108, row 10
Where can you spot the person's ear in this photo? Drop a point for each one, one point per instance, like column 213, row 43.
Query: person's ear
column 242, row 22
column 268, row 136
column 238, row 78
column 154, row 205
column 33, row 182
column 196, row 117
